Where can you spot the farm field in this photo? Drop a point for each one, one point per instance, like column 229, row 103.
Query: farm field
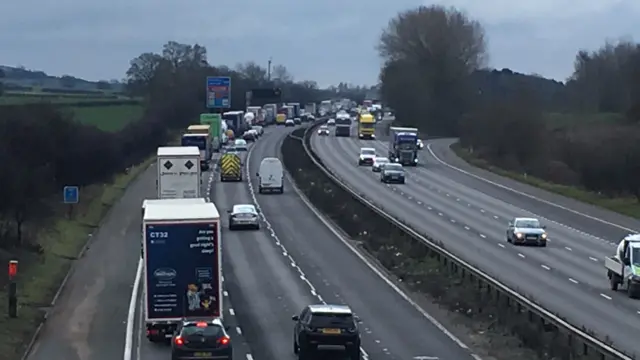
column 108, row 118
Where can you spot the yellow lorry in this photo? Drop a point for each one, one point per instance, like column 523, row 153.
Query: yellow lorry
column 230, row 167
column 366, row 126
column 281, row 119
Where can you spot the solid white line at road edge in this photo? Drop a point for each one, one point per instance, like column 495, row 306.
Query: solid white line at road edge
column 504, row 187
column 128, row 341
column 373, row 268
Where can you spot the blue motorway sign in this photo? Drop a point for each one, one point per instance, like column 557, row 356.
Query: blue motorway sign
column 218, row 92
column 182, row 270
column 71, row 194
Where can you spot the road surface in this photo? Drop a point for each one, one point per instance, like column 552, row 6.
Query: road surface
column 295, row 260
column 470, row 217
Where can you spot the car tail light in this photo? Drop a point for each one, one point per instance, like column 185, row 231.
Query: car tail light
column 225, row 340
column 202, row 324
column 178, row 341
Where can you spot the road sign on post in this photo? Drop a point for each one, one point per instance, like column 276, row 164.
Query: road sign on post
column 71, row 194
column 218, row 92
column 12, row 310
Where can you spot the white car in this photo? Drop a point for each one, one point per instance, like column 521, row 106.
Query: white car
column 331, row 122
column 323, row 130
column 379, row 163
column 240, row 145
column 243, row 216
column 289, row 122
column 367, row 156
column 259, row 129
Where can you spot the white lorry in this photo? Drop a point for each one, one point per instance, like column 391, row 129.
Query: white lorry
column 623, row 269
column 182, row 265
column 178, row 172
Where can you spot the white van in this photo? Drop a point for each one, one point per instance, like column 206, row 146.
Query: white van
column 270, row 175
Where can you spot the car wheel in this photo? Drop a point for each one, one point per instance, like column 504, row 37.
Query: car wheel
column 259, row 190
column 257, row 227
column 354, row 353
column 281, row 189
column 296, row 348
column 508, row 239
column 402, row 182
column 543, row 244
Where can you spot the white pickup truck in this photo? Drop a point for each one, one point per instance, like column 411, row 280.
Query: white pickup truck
column 624, row 267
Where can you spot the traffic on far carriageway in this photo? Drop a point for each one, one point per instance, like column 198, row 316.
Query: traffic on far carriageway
column 564, row 271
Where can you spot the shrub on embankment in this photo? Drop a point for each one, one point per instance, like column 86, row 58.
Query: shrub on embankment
column 426, row 271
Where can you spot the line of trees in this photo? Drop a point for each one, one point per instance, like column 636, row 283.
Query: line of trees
column 43, row 149
column 582, row 132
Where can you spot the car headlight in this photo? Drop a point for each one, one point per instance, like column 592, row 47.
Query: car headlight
column 415, row 160
column 373, row 136
column 544, row 235
column 519, row 235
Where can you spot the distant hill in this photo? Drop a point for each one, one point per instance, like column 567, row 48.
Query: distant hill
column 22, row 79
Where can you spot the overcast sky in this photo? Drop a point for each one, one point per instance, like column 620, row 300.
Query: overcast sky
column 324, row 40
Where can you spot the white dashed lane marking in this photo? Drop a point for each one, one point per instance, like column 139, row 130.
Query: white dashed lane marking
column 416, row 179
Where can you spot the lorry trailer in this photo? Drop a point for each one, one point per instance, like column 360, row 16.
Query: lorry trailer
column 178, row 172
column 182, row 266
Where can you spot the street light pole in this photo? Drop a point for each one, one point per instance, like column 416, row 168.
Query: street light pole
column 269, row 70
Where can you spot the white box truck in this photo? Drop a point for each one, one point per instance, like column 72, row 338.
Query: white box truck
column 182, row 265
column 178, row 172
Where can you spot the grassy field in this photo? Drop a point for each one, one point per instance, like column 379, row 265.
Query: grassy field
column 108, row 118
column 45, row 272
column 626, row 206
column 14, row 98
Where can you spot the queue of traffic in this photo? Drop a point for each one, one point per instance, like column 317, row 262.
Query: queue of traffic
column 182, row 235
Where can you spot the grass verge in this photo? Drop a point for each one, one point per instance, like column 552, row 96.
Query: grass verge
column 625, row 206
column 40, row 275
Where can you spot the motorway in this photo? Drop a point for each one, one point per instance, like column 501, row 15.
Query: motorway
column 270, row 275
column 448, row 200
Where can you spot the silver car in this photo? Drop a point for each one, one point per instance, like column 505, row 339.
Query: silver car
column 379, row 163
column 523, row 231
column 392, row 173
column 243, row 216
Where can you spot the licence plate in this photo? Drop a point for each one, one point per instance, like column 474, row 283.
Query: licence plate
column 532, row 237
column 331, row 331
column 202, row 354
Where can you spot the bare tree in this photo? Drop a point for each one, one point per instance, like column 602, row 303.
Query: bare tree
column 429, row 54
column 281, row 75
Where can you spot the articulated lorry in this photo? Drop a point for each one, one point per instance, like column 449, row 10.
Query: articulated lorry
column 215, row 129
column 202, row 141
column 182, row 266
column 623, row 268
column 366, row 126
column 403, row 145
column 343, row 124
column 178, row 172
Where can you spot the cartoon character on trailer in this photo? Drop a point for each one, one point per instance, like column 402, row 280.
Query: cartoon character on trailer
column 200, row 298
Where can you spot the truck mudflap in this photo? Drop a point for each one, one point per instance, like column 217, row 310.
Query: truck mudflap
column 161, row 332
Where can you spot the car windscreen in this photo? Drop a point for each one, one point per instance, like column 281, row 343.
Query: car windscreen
column 528, row 224
column 393, row 167
column 211, row 331
column 328, row 320
column 241, row 148
column 367, row 152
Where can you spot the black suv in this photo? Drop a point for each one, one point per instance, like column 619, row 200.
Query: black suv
column 204, row 339
column 319, row 325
